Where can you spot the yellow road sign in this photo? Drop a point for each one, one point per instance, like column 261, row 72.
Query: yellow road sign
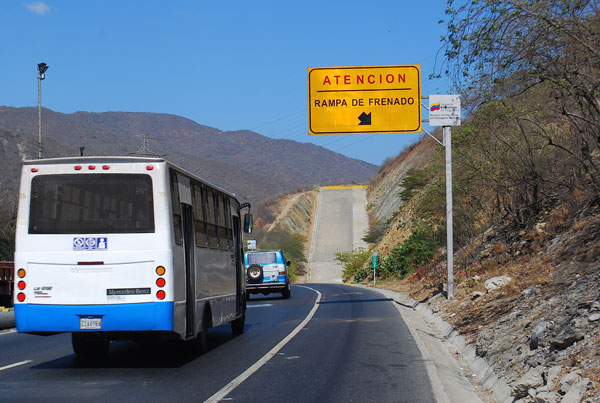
column 369, row 99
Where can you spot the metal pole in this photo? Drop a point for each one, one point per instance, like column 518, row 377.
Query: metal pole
column 449, row 233
column 39, row 116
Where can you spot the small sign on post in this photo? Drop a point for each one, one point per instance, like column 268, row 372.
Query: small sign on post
column 374, row 266
column 251, row 244
column 444, row 110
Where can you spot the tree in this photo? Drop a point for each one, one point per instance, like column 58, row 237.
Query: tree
column 497, row 50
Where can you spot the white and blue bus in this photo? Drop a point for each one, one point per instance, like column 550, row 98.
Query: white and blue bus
column 125, row 248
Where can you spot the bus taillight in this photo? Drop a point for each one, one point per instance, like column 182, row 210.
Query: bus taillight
column 160, row 282
column 160, row 270
column 34, row 170
column 21, row 284
column 21, row 273
column 149, row 167
column 21, row 297
column 106, row 167
column 91, row 167
column 161, row 294
column 77, row 167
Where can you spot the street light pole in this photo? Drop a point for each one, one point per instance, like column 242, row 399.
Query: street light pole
column 42, row 67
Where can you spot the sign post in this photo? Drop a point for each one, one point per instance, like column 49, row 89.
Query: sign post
column 382, row 99
column 374, row 266
column 444, row 110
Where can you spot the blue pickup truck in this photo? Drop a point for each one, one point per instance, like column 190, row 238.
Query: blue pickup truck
column 267, row 272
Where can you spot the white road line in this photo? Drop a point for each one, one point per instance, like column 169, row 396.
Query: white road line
column 220, row 395
column 15, row 365
column 258, row 305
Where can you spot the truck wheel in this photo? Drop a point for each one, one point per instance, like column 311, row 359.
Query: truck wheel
column 287, row 292
column 255, row 273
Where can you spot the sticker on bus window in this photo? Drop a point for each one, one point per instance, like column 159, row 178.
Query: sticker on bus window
column 93, row 243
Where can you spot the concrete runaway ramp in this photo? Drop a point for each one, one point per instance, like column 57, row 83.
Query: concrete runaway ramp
column 340, row 224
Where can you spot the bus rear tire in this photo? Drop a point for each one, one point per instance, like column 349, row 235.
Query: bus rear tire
column 88, row 347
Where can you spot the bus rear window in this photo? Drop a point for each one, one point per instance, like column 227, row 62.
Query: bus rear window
column 91, row 204
column 262, row 258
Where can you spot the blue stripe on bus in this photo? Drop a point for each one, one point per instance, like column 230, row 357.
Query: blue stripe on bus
column 151, row 316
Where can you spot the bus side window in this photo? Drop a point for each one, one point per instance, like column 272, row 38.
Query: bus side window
column 211, row 226
column 228, row 222
column 176, row 207
column 223, row 238
column 199, row 216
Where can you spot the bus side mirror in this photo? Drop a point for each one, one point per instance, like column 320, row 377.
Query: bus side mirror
column 248, row 222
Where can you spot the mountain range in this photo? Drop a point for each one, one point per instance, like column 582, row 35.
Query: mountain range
column 253, row 166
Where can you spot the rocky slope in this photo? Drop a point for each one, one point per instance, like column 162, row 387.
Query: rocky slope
column 527, row 299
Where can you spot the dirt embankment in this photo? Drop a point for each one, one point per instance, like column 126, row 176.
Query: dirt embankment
column 384, row 200
column 294, row 213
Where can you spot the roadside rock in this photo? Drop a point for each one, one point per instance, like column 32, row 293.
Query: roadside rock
column 530, row 291
column 568, row 381
column 554, row 374
column 531, row 380
column 547, row 397
column 577, row 392
column 496, row 282
column 565, row 336
column 476, row 294
column 537, row 333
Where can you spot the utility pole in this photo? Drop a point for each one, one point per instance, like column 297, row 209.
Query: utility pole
column 42, row 67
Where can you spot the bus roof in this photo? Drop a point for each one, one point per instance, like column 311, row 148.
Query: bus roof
column 123, row 159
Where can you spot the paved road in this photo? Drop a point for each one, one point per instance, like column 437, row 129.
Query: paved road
column 328, row 343
column 341, row 223
column 355, row 348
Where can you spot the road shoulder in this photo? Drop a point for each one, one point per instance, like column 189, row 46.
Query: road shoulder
column 456, row 373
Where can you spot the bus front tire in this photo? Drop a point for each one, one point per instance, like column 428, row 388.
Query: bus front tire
column 88, row 347
column 237, row 326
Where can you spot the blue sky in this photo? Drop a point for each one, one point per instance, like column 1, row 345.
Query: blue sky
column 231, row 65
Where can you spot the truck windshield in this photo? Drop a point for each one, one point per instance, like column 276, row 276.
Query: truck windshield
column 91, row 203
column 262, row 258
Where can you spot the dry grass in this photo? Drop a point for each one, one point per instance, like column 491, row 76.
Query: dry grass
column 499, row 248
column 559, row 217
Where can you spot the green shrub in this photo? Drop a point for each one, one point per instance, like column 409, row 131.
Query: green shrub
column 414, row 180
column 418, row 249
column 376, row 232
column 353, row 261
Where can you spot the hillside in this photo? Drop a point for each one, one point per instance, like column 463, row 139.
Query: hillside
column 253, row 166
column 527, row 299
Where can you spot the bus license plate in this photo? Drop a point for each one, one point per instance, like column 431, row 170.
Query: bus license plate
column 90, row 323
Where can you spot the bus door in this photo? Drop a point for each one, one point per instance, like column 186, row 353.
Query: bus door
column 188, row 245
column 239, row 278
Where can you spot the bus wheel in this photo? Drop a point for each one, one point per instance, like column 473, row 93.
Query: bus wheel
column 202, row 338
column 287, row 292
column 237, row 326
column 87, row 347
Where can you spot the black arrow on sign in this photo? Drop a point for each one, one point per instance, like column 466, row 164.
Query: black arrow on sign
column 365, row 119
